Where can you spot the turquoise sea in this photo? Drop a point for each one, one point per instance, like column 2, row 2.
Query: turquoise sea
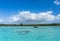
column 29, row 33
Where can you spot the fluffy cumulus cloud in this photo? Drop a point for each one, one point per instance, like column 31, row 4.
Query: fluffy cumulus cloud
column 29, row 17
column 57, row 2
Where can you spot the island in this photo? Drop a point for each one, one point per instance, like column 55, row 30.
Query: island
column 53, row 24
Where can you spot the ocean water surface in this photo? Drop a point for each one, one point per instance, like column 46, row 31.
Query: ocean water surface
column 29, row 33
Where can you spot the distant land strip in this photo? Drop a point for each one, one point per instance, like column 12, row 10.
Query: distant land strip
column 58, row 24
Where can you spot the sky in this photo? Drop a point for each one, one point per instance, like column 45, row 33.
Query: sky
column 29, row 11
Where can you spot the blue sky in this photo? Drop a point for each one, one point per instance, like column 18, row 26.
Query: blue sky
column 12, row 8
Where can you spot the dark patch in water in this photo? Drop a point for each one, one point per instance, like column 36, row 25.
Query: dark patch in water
column 23, row 32
column 35, row 27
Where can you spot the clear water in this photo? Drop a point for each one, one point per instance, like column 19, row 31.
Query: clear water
column 28, row 33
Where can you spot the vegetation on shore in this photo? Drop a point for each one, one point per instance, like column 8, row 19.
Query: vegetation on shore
column 58, row 24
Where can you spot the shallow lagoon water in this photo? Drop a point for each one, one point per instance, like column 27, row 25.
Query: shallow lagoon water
column 28, row 33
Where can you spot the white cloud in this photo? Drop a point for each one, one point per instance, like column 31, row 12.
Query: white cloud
column 1, row 20
column 28, row 17
column 46, row 16
column 58, row 17
column 56, row 2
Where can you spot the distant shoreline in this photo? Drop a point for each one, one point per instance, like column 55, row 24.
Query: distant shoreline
column 30, row 24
